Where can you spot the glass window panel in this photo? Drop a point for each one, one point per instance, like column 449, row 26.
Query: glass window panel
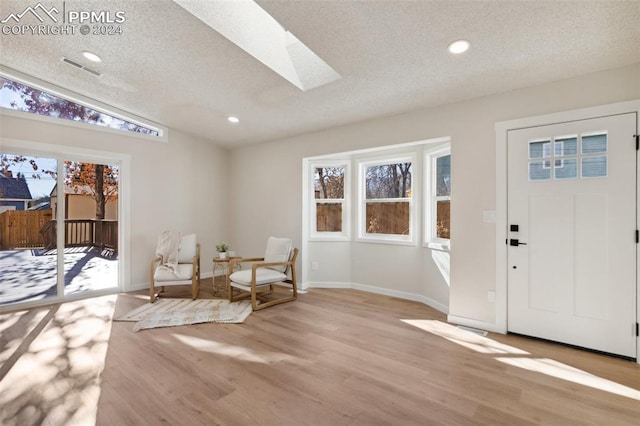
column 443, row 219
column 566, row 146
column 566, row 169
column 443, row 175
column 329, row 217
column 388, row 181
column 28, row 257
column 20, row 97
column 594, row 144
column 328, row 182
column 538, row 171
column 594, row 167
column 540, row 149
column 388, row 218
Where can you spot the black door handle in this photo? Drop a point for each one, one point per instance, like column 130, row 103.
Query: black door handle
column 515, row 242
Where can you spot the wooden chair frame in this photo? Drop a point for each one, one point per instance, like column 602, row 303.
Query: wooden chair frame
column 258, row 291
column 195, row 278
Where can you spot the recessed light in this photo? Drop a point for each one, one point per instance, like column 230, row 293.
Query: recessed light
column 459, row 46
column 92, row 56
column 233, row 119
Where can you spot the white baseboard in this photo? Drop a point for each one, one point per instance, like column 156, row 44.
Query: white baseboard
column 380, row 290
column 324, row 284
column 482, row 325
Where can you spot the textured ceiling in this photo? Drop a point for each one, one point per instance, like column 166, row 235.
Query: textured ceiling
column 171, row 68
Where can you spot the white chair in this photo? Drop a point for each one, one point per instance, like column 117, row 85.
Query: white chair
column 266, row 273
column 185, row 272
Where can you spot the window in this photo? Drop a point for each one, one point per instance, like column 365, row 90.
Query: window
column 438, row 197
column 22, row 97
column 386, row 207
column 330, row 206
column 569, row 162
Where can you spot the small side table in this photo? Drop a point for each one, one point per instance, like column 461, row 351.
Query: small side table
column 220, row 281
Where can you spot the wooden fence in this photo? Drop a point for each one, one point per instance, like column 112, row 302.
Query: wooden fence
column 36, row 229
column 388, row 218
column 329, row 217
column 21, row 228
column 382, row 218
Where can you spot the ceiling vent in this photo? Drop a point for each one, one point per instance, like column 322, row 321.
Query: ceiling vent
column 82, row 67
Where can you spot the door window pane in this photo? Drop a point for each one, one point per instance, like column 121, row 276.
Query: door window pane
column 594, row 167
column 566, row 169
column 538, row 171
column 566, row 146
column 594, row 144
column 540, row 149
column 28, row 260
column 90, row 196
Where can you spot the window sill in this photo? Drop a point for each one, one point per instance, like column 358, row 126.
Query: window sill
column 439, row 246
column 390, row 241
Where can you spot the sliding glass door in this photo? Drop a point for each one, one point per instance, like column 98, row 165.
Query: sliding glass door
column 59, row 228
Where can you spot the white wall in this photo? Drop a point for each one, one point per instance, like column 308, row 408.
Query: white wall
column 181, row 185
column 266, row 197
column 256, row 191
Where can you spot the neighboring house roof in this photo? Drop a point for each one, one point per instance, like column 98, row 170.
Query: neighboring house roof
column 14, row 188
column 45, row 205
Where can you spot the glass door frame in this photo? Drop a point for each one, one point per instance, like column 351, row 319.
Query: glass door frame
column 61, row 153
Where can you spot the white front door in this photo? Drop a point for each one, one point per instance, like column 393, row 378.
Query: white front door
column 572, row 233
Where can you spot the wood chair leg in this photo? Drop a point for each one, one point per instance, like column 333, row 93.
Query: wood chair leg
column 152, row 293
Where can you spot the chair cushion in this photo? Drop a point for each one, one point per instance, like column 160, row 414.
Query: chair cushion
column 263, row 276
column 187, row 249
column 183, row 272
column 278, row 250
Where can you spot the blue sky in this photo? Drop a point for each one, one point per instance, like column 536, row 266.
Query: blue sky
column 38, row 187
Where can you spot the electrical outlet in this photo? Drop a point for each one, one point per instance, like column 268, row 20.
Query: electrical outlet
column 314, row 266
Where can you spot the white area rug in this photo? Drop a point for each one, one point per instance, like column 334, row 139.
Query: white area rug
column 175, row 312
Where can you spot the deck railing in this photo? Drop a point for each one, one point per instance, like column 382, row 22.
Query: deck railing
column 82, row 233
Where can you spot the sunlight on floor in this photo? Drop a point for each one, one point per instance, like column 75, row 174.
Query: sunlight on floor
column 53, row 360
column 465, row 338
column 232, row 351
column 521, row 359
column 566, row 372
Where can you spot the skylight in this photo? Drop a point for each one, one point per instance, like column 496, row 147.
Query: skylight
column 252, row 29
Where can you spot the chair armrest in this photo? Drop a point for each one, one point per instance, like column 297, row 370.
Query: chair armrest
column 152, row 268
column 234, row 262
column 156, row 259
column 196, row 258
column 269, row 264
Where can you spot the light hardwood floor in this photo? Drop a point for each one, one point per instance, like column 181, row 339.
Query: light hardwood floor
column 334, row 357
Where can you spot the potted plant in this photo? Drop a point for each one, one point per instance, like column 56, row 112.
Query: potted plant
column 222, row 250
